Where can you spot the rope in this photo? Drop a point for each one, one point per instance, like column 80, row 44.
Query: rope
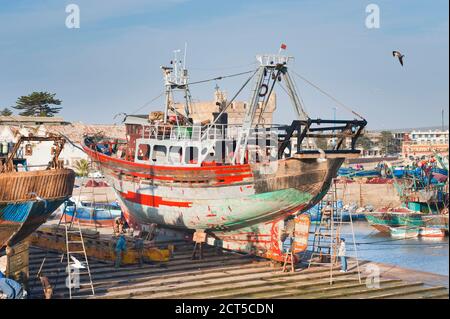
column 234, row 97
column 219, row 78
column 192, row 83
column 329, row 95
column 225, row 68
column 145, row 105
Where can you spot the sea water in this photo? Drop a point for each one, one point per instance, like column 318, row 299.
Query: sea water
column 423, row 254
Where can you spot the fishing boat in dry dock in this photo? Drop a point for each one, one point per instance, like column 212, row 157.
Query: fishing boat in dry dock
column 28, row 198
column 239, row 183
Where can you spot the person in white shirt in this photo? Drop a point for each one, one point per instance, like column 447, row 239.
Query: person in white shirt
column 342, row 255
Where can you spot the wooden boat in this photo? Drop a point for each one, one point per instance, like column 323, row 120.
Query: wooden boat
column 28, row 198
column 239, row 183
column 93, row 214
column 404, row 232
column 385, row 218
column 432, row 232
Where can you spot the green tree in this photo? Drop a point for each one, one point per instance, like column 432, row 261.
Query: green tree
column 38, row 104
column 364, row 143
column 387, row 143
column 6, row 112
column 82, row 167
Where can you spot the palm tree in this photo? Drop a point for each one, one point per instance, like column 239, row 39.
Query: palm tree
column 82, row 167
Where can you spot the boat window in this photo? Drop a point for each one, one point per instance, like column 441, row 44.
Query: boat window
column 159, row 153
column 175, row 154
column 191, row 155
column 143, row 152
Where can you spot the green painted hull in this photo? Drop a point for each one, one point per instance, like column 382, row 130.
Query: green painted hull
column 395, row 220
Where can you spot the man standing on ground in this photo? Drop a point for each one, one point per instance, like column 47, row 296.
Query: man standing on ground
column 342, row 255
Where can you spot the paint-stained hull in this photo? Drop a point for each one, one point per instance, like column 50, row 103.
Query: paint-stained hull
column 222, row 200
column 217, row 198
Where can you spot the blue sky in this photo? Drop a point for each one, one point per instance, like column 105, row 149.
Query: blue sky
column 111, row 64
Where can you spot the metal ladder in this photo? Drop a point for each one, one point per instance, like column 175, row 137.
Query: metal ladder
column 73, row 248
column 328, row 232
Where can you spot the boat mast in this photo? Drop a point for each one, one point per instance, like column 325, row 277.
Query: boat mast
column 272, row 68
column 176, row 79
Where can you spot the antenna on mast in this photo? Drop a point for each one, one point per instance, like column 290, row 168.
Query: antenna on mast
column 176, row 79
column 184, row 58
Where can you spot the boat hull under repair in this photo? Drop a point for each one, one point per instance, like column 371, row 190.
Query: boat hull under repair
column 237, row 205
column 27, row 199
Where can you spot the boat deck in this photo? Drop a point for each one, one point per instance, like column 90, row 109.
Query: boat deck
column 231, row 275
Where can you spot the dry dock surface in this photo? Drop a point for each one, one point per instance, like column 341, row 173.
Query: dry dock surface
column 230, row 275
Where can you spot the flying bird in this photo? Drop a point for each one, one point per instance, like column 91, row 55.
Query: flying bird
column 398, row 55
column 76, row 263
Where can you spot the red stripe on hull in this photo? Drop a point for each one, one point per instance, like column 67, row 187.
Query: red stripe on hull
column 218, row 169
column 152, row 201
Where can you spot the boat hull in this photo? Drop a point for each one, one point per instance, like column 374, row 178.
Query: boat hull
column 383, row 220
column 430, row 232
column 97, row 217
column 19, row 220
column 27, row 199
column 241, row 207
column 404, row 232
column 217, row 198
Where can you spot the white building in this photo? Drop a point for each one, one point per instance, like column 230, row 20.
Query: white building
column 429, row 137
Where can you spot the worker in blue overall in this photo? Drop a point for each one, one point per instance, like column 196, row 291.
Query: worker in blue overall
column 121, row 247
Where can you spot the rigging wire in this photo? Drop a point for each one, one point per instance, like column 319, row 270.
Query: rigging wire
column 329, row 95
column 229, row 103
column 151, row 101
column 225, row 68
column 146, row 104
column 234, row 97
column 290, row 96
column 218, row 78
column 187, row 84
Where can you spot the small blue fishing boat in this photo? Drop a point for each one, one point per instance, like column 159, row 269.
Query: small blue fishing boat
column 95, row 214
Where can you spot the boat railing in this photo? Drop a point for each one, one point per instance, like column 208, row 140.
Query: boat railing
column 203, row 133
